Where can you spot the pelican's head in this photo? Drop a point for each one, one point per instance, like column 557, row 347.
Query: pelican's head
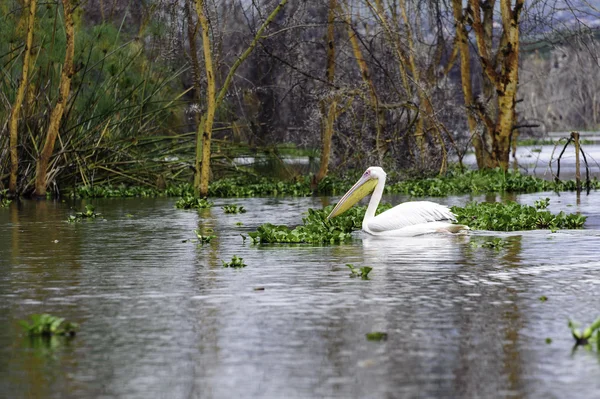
column 363, row 187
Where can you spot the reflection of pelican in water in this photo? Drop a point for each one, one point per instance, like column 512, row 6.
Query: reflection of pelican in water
column 407, row 219
column 431, row 249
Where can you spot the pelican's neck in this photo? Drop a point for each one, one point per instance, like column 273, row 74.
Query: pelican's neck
column 374, row 202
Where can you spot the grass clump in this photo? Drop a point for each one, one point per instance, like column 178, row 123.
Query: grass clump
column 89, row 213
column 511, row 216
column 236, row 262
column 191, row 202
column 589, row 335
column 362, row 272
column 234, row 209
column 46, row 325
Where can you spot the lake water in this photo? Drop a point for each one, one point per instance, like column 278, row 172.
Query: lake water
column 542, row 160
column 161, row 318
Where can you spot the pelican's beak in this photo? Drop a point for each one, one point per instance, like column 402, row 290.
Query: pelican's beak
column 360, row 190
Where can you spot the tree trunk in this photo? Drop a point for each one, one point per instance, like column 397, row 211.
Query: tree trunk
column 420, row 127
column 192, row 30
column 204, row 135
column 327, row 135
column 465, row 74
column 507, row 88
column 13, row 124
column 327, row 132
column 63, row 96
column 202, row 176
column 503, row 83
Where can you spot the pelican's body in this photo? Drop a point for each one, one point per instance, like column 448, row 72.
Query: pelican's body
column 407, row 219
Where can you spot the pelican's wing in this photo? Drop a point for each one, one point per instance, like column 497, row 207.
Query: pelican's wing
column 410, row 214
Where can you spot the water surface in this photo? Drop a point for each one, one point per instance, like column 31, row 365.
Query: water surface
column 161, row 318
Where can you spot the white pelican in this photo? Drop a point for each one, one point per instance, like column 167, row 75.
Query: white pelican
column 407, row 219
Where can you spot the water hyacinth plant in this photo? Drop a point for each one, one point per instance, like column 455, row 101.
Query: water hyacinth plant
column 512, row 216
column 204, row 239
column 89, row 213
column 453, row 182
column 589, row 334
column 362, row 272
column 481, row 182
column 316, row 229
column 495, row 243
column 192, row 202
column 46, row 325
column 376, row 336
column 233, row 209
column 236, row 262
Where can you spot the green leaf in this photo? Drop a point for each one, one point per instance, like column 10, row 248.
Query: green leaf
column 376, row 336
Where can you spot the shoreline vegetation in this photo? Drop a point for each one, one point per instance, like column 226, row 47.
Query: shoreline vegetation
column 160, row 93
column 454, row 182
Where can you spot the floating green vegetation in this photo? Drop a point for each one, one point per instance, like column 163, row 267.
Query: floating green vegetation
column 376, row 336
column 543, row 298
column 233, row 209
column 89, row 213
column 258, row 187
column 236, row 262
column 192, row 202
column 239, row 224
column 46, row 325
column 362, row 272
column 511, row 216
column 589, row 335
column 204, row 239
column 492, row 243
column 453, row 182
column 472, row 181
column 108, row 191
column 244, row 186
column 316, row 229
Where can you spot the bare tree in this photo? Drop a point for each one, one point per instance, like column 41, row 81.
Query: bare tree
column 16, row 107
column 63, row 97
